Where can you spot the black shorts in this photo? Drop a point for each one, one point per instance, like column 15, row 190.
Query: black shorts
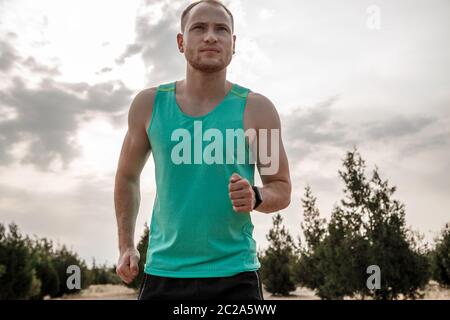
column 242, row 286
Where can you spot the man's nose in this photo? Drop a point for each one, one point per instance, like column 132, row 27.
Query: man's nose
column 210, row 36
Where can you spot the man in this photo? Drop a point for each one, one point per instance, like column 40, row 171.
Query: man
column 200, row 240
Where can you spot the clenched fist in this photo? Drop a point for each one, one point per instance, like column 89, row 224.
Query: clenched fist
column 128, row 266
column 241, row 194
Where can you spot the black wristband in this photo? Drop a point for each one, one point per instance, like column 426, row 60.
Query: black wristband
column 258, row 197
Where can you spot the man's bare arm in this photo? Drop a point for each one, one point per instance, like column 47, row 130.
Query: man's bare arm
column 273, row 165
column 276, row 189
column 133, row 156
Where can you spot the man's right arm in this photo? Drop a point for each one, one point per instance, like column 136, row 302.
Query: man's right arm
column 133, row 156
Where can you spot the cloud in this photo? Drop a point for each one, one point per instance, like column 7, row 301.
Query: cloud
column 309, row 129
column 40, row 68
column 47, row 117
column 130, row 51
column 436, row 137
column 8, row 56
column 398, row 126
column 314, row 125
column 104, row 70
column 39, row 121
column 155, row 40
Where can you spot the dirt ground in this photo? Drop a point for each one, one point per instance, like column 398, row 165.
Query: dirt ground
column 119, row 292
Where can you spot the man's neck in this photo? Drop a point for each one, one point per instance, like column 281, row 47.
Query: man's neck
column 203, row 87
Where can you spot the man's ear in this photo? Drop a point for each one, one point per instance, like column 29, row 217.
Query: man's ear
column 180, row 42
column 234, row 43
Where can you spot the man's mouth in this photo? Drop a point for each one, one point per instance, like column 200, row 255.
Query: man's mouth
column 210, row 50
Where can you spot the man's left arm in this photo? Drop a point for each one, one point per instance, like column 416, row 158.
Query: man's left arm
column 271, row 160
column 273, row 168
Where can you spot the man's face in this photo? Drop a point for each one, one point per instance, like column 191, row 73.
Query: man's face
column 207, row 26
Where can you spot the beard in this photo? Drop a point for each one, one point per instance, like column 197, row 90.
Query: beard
column 207, row 65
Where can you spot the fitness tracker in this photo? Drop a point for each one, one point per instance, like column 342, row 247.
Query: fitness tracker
column 258, row 197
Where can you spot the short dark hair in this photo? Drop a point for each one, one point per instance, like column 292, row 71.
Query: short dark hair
column 215, row 2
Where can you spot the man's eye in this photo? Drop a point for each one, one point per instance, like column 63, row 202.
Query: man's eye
column 198, row 27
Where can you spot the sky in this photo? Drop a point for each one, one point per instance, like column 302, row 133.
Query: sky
column 370, row 74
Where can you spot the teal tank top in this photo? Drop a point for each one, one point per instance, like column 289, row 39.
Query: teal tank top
column 194, row 231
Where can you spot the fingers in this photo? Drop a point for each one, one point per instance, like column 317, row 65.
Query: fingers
column 243, row 208
column 246, row 193
column 240, row 193
column 242, row 200
column 238, row 185
column 134, row 266
column 123, row 270
column 235, row 177
column 128, row 268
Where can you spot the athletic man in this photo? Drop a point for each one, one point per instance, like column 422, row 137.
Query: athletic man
column 201, row 242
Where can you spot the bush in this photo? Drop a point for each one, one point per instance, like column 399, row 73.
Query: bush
column 63, row 258
column 104, row 275
column 277, row 260
column 42, row 251
column 366, row 228
column 17, row 279
column 440, row 258
column 34, row 269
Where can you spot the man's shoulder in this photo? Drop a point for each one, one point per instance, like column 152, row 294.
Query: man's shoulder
column 256, row 100
column 146, row 92
column 142, row 106
column 151, row 91
column 144, row 98
column 261, row 110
